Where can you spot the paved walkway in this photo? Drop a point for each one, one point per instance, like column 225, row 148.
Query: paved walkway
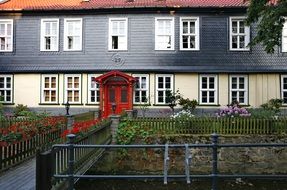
column 21, row 177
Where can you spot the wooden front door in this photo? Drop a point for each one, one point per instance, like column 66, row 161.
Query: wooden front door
column 117, row 94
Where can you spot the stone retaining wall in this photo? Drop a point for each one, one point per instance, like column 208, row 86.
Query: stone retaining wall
column 231, row 160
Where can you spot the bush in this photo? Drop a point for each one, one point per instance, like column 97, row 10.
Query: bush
column 184, row 114
column 187, row 104
column 21, row 110
column 273, row 105
column 233, row 111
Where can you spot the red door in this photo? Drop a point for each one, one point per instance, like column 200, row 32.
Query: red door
column 118, row 95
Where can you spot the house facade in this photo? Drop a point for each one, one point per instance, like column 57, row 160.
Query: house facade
column 95, row 54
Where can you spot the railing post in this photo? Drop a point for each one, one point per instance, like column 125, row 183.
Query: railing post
column 214, row 138
column 44, row 170
column 71, row 161
column 114, row 126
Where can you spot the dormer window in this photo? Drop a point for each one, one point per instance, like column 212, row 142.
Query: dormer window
column 118, row 34
column 6, row 35
column 73, row 34
column 239, row 34
column 49, row 34
column 164, row 33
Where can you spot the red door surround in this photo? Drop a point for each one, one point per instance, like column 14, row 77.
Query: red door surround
column 115, row 88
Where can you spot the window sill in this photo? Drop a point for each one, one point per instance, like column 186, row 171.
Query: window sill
column 73, row 104
column 90, row 104
column 160, row 104
column 137, row 104
column 47, row 104
column 116, row 50
column 209, row 105
column 7, row 104
column 238, row 50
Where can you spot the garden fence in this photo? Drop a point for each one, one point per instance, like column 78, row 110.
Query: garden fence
column 204, row 125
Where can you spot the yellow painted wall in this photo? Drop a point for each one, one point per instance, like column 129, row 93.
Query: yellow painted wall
column 262, row 87
column 27, row 89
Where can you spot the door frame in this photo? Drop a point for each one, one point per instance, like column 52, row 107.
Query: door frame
column 117, row 78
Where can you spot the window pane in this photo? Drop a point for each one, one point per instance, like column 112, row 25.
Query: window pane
column 204, row 82
column 144, row 96
column 285, row 97
column 211, row 97
column 284, row 83
column 8, row 95
column 76, row 96
column 211, row 82
column 76, row 82
column 185, row 27
column 2, row 82
column 9, row 29
column 115, row 42
column 241, row 41
column 185, row 41
column 8, row 82
column 70, row 82
column 143, row 83
column 234, row 41
column 2, row 29
column 160, row 82
column 2, row 43
column 47, row 28
column 160, row 97
column 241, row 27
column 234, row 95
column 241, row 83
column 241, row 97
column 192, row 41
column 234, row 27
column 204, row 96
column 234, row 83
column 137, row 96
column 192, row 27
column 167, row 82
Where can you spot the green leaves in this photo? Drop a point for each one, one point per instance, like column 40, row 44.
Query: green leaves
column 270, row 20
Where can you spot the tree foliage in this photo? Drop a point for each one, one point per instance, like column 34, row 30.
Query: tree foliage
column 269, row 14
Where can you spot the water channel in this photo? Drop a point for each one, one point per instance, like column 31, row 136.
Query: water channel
column 238, row 184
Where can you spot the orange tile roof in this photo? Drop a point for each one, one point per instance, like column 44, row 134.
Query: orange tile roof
column 104, row 4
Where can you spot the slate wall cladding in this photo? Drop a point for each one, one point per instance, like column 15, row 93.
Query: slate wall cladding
column 213, row 56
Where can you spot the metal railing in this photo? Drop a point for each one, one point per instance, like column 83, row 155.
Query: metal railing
column 214, row 176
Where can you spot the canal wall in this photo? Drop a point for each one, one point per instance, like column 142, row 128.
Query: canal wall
column 268, row 160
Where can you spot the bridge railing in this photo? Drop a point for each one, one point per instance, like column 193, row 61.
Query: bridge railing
column 56, row 160
column 71, row 175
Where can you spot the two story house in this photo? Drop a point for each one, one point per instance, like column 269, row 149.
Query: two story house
column 98, row 53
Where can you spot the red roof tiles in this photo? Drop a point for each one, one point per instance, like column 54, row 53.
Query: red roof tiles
column 103, row 4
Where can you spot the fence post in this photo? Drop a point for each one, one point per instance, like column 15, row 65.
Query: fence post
column 71, row 161
column 43, row 170
column 214, row 139
column 114, row 126
column 70, row 121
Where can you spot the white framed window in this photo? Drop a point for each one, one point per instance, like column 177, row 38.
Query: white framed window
column 118, row 34
column 93, row 90
column 73, row 85
column 141, row 91
column 164, row 83
column 164, row 33
column 284, row 36
column 49, row 89
column 189, row 33
column 6, row 88
column 49, row 35
column 239, row 34
column 73, row 34
column 208, row 89
column 238, row 88
column 284, row 89
column 6, row 35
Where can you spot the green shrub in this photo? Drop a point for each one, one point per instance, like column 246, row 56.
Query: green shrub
column 21, row 110
column 187, row 104
column 273, row 105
